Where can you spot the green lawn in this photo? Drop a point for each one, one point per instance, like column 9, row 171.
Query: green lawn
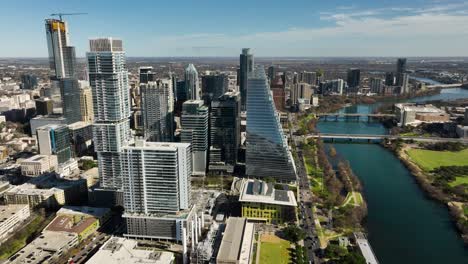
column 459, row 180
column 429, row 159
column 274, row 252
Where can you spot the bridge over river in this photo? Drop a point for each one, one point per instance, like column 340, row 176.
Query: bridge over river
column 378, row 138
column 353, row 116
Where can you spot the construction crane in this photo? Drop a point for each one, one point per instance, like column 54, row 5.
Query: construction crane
column 67, row 14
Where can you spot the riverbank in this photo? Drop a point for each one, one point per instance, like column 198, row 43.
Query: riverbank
column 339, row 206
column 456, row 204
column 330, row 104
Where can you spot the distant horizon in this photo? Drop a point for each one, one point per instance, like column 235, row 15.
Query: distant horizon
column 300, row 28
column 267, row 57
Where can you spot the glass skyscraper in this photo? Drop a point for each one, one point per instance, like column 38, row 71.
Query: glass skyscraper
column 192, row 86
column 225, row 132
column 194, row 122
column 267, row 149
column 62, row 61
column 108, row 78
column 157, row 110
column 246, row 67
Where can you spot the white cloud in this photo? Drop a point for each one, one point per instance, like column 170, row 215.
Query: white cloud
column 431, row 31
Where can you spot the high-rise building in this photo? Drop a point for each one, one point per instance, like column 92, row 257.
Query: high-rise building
column 54, row 140
column 181, row 93
column 376, row 85
column 354, row 79
column 157, row 190
column 246, row 67
column 61, row 55
column 401, row 65
column 400, row 71
column 301, row 91
column 108, row 78
column 86, row 104
column 194, row 122
column 192, row 86
column 267, row 149
column 156, row 177
column 70, row 93
column 332, row 87
column 404, row 86
column 225, row 132
column 308, row 77
column 157, row 110
column 28, row 81
column 44, row 106
column 271, row 73
column 62, row 60
column 213, row 86
column 146, row 74
column 389, row 79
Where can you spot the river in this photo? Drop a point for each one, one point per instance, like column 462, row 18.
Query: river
column 404, row 226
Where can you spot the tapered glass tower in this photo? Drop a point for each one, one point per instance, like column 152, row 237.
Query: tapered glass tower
column 267, row 149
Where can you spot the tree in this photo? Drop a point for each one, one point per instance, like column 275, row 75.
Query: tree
column 88, row 164
column 293, row 233
column 335, row 251
column 353, row 258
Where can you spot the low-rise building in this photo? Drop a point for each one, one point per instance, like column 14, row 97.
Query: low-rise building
column 415, row 114
column 12, row 216
column 46, row 248
column 38, row 165
column 123, row 250
column 462, row 131
column 78, row 224
column 74, row 188
column 237, row 244
column 101, row 214
column 28, row 193
column 262, row 202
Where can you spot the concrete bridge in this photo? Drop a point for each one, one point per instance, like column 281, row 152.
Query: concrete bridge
column 445, row 86
column 378, row 138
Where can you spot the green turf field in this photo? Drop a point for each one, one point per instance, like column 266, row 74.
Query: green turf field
column 429, row 159
column 275, row 252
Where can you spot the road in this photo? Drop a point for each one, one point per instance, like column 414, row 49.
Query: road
column 306, row 217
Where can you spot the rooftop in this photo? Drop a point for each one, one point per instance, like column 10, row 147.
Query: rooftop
column 70, row 224
column 6, row 211
column 261, row 192
column 125, row 251
column 233, row 247
column 421, row 108
column 44, row 247
column 31, row 189
column 83, row 210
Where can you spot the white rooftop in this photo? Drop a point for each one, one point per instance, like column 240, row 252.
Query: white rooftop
column 261, row 192
column 119, row 250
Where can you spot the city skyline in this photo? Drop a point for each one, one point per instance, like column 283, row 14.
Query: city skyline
column 299, row 29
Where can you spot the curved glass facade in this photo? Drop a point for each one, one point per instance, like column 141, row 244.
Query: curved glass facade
column 267, row 148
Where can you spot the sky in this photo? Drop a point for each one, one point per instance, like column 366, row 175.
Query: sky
column 292, row 28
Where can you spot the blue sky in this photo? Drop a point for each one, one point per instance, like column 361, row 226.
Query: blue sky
column 221, row 28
